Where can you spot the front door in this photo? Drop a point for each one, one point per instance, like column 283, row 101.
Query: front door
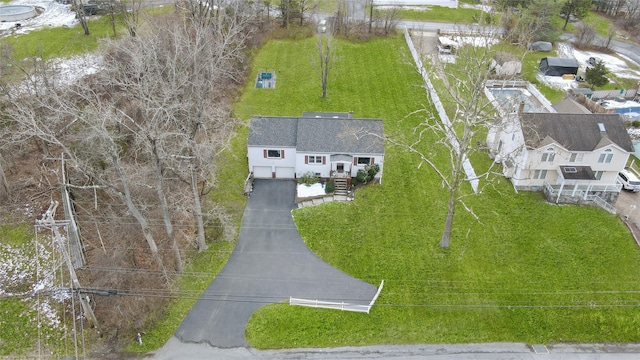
column 340, row 167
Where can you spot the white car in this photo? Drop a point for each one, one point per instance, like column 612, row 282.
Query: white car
column 629, row 180
column 322, row 25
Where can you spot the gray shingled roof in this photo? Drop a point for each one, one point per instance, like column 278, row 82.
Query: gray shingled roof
column 570, row 106
column 273, row 131
column 322, row 135
column 575, row 132
column 348, row 136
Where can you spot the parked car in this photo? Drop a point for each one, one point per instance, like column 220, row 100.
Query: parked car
column 629, row 180
column 593, row 60
column 322, row 25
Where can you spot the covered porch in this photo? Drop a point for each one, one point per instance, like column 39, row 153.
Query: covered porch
column 340, row 167
column 578, row 185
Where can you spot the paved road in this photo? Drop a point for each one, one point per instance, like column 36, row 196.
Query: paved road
column 269, row 264
column 628, row 49
column 489, row 351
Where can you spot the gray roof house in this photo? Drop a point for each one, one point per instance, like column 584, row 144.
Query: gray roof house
column 575, row 132
column 571, row 157
column 328, row 145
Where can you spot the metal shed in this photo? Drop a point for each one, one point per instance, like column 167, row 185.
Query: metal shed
column 554, row 66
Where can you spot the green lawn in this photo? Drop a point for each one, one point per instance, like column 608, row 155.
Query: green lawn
column 527, row 271
column 600, row 23
column 442, row 14
column 18, row 320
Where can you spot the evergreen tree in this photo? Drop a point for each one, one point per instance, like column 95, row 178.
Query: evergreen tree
column 596, row 75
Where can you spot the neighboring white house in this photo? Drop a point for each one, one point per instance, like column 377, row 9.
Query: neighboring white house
column 572, row 157
column 327, row 145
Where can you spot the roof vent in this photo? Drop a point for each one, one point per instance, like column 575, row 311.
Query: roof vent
column 601, row 126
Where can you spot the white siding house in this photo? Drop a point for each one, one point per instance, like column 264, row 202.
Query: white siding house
column 566, row 155
column 327, row 145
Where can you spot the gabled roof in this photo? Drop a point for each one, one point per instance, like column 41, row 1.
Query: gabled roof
column 575, row 132
column 273, row 131
column 315, row 132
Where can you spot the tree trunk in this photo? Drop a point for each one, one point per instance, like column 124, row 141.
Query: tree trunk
column 370, row 15
column 165, row 211
column 3, row 180
column 448, row 224
column 197, row 213
column 144, row 225
column 566, row 21
column 81, row 18
column 324, row 87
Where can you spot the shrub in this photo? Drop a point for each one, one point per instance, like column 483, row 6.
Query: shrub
column 308, row 179
column 329, row 187
column 366, row 175
column 636, row 123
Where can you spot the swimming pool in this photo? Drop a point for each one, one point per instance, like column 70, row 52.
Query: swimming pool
column 510, row 99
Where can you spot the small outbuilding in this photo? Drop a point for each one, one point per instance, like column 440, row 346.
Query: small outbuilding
column 554, row 66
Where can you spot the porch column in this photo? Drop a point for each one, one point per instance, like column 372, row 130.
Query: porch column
column 588, row 191
column 575, row 188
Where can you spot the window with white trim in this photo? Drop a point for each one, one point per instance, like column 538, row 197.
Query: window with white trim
column 598, row 174
column 540, row 174
column 606, row 157
column 315, row 159
column 548, row 155
column 364, row 161
column 274, row 154
column 576, row 157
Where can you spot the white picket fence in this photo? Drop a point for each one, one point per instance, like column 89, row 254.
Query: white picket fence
column 336, row 305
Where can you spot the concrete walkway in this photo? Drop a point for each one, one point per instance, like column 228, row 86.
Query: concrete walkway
column 269, row 264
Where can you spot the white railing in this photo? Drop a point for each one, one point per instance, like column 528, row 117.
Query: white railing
column 583, row 193
column 336, row 305
column 569, row 189
column 506, row 83
column 601, row 203
column 329, row 305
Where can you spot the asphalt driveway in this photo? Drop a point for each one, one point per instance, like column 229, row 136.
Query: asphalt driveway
column 269, row 264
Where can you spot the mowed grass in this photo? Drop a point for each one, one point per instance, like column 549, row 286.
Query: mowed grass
column 442, row 14
column 526, row 271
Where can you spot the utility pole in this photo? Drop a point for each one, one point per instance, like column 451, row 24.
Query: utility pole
column 48, row 221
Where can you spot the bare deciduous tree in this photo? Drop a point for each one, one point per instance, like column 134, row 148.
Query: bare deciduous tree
column 326, row 53
column 81, row 16
column 305, row 7
column 186, row 70
column 458, row 129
